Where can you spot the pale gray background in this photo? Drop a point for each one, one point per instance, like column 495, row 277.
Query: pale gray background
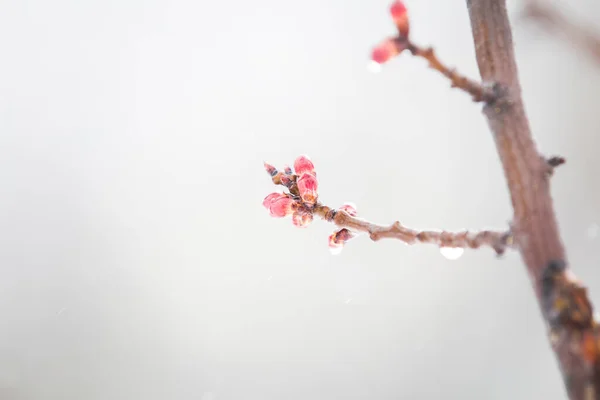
column 138, row 263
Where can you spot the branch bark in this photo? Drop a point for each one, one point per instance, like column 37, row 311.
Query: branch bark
column 497, row 240
column 563, row 301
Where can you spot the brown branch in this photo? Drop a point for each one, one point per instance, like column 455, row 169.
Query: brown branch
column 477, row 90
column 301, row 201
column 498, row 241
column 563, row 301
column 553, row 20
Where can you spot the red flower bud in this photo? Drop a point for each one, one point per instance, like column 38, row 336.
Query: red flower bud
column 338, row 239
column 303, row 165
column 270, row 198
column 350, row 208
column 397, row 9
column 307, row 187
column 285, row 180
column 271, row 170
column 278, row 204
column 281, row 207
column 302, row 220
column 385, row 51
column 400, row 17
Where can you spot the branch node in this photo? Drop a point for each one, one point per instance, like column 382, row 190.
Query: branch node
column 565, row 301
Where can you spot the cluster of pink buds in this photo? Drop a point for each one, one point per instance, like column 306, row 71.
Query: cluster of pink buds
column 393, row 46
column 301, row 199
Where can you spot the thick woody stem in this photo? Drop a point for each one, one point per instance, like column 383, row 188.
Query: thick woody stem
column 498, row 241
column 563, row 301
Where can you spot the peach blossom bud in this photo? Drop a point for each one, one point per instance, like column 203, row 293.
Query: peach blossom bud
column 400, row 17
column 350, row 208
column 287, row 170
column 285, row 180
column 397, row 9
column 337, row 240
column 302, row 220
column 303, row 165
column 270, row 198
column 385, row 51
column 271, row 170
column 307, row 187
column 281, row 207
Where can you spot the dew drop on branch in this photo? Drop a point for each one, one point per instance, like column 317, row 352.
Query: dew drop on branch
column 452, row 253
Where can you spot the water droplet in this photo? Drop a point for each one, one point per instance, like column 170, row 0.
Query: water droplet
column 336, row 250
column 452, row 253
column 374, row 67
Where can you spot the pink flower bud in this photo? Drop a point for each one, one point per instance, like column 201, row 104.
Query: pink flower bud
column 307, row 187
column 303, row 165
column 385, row 51
column 270, row 198
column 271, row 170
column 302, row 220
column 286, row 180
column 350, row 208
column 400, row 17
column 287, row 170
column 338, row 239
column 403, row 26
column 281, row 207
column 397, row 9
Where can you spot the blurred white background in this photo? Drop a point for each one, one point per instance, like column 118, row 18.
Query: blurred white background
column 137, row 261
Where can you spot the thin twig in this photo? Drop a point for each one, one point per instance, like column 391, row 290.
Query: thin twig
column 498, row 241
column 479, row 91
column 552, row 19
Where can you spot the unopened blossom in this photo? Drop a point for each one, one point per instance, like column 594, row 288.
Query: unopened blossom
column 350, row 208
column 271, row 170
column 270, row 198
column 338, row 239
column 279, row 205
column 400, row 17
column 307, row 187
column 385, row 51
column 285, row 180
column 302, row 220
column 303, row 165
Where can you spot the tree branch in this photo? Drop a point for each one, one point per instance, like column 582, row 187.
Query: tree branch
column 573, row 332
column 301, row 202
column 498, row 241
column 562, row 300
column 477, row 90
column 553, row 20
